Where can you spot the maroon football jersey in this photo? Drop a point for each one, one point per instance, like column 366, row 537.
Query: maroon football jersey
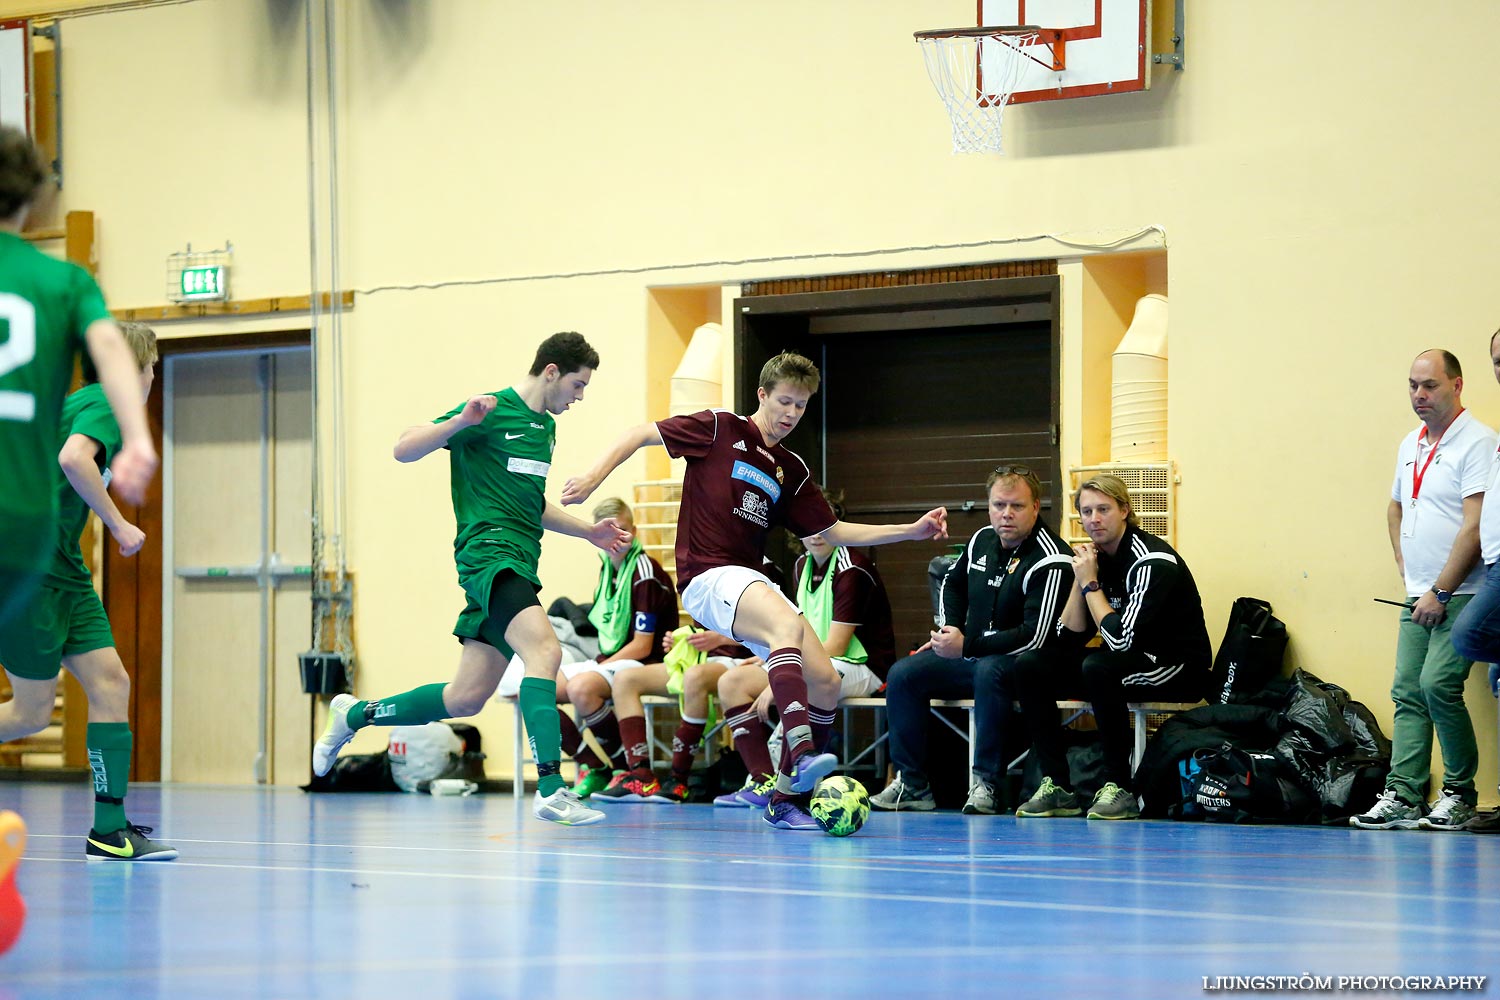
column 736, row 488
column 653, row 605
column 859, row 599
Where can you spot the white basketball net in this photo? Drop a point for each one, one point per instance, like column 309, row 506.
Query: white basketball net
column 975, row 76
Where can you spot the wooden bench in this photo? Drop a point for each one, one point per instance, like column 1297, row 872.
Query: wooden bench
column 650, row 703
column 1140, row 711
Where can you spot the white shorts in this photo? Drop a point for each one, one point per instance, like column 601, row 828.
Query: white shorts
column 712, row 597
column 510, row 682
column 855, row 679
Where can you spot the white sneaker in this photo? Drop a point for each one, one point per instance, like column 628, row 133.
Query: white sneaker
column 981, row 799
column 1450, row 812
column 1388, row 813
column 335, row 734
column 898, row 795
column 565, row 807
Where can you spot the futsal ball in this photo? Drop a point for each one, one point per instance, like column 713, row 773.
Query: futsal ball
column 840, row 805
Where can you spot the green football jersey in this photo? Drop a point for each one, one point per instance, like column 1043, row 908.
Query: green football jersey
column 85, row 412
column 498, row 478
column 46, row 305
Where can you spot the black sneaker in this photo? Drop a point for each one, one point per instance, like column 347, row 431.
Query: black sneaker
column 129, row 844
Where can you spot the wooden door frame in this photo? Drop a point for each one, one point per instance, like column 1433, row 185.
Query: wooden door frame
column 765, row 325
column 133, row 593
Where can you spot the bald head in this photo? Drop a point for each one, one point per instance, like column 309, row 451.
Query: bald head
column 1435, row 384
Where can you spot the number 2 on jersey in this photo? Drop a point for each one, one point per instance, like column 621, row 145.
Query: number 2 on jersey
column 18, row 319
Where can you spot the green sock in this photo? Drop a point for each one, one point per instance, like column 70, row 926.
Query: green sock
column 410, row 708
column 538, row 699
column 109, row 757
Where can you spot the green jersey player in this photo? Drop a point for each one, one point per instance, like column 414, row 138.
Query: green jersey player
column 500, row 451
column 50, row 310
column 65, row 624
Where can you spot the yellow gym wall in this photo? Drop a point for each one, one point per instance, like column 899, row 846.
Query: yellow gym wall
column 1327, row 208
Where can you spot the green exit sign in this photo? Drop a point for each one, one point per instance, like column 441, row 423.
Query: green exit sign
column 205, row 283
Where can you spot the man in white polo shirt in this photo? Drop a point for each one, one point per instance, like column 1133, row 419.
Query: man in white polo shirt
column 1476, row 632
column 1442, row 471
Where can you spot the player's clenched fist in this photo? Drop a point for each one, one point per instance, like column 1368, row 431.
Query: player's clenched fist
column 476, row 409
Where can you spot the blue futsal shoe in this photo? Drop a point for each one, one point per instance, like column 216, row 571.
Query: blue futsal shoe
column 791, row 814
column 810, row 769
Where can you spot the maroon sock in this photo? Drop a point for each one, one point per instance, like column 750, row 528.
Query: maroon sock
column 684, row 742
column 633, row 734
column 572, row 742
column 790, row 691
column 572, row 739
column 749, row 735
column 606, row 729
column 821, row 722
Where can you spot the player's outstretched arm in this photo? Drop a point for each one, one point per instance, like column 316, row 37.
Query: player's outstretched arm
column 424, row 439
column 135, row 464
column 606, row 534
column 79, row 462
column 579, row 488
column 931, row 525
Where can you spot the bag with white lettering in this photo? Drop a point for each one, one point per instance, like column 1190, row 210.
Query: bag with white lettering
column 1232, row 785
column 1251, row 654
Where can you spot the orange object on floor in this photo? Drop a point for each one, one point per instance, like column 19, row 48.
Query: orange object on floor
column 12, row 906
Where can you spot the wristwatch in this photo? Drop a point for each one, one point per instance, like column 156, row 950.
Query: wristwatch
column 1093, row 585
column 1443, row 596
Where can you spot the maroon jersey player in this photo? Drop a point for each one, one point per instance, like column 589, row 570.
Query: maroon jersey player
column 740, row 482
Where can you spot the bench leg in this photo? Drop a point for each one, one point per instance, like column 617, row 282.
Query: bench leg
column 1140, row 738
column 519, row 787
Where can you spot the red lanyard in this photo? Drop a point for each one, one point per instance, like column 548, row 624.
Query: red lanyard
column 1418, row 474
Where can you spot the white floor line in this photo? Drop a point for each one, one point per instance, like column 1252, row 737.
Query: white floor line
column 502, row 963
column 1103, row 909
column 1156, row 881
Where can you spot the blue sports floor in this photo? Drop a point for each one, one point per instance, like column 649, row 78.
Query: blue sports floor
column 279, row 894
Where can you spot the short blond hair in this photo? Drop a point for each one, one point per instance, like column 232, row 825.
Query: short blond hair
column 613, row 507
column 1113, row 487
column 142, row 341
column 792, row 369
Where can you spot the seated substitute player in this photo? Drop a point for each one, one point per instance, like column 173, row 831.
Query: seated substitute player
column 740, row 481
column 691, row 670
column 844, row 599
column 634, row 610
column 1000, row 599
column 65, row 625
column 500, row 450
column 1136, row 591
column 49, row 311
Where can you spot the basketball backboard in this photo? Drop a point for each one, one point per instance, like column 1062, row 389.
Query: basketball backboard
column 1103, row 46
column 15, row 74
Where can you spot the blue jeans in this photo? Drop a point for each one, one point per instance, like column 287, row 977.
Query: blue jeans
column 916, row 679
column 1476, row 633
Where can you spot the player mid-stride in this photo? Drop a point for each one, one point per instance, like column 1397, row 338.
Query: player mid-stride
column 740, row 481
column 500, row 449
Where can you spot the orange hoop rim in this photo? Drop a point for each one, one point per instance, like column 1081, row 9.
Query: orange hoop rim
column 980, row 32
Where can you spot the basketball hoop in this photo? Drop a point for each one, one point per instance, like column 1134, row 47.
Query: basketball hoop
column 975, row 70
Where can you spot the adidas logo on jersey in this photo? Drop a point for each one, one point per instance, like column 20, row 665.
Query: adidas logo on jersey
column 978, row 565
column 740, row 446
column 795, row 706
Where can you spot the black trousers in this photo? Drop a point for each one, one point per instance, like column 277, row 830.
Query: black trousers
column 1106, row 680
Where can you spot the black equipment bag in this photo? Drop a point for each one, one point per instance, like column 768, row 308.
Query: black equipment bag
column 1251, row 654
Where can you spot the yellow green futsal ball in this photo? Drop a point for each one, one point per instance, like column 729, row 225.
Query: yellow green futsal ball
column 840, row 805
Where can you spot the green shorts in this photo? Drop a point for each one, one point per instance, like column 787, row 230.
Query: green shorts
column 28, row 556
column 495, row 597
column 58, row 623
